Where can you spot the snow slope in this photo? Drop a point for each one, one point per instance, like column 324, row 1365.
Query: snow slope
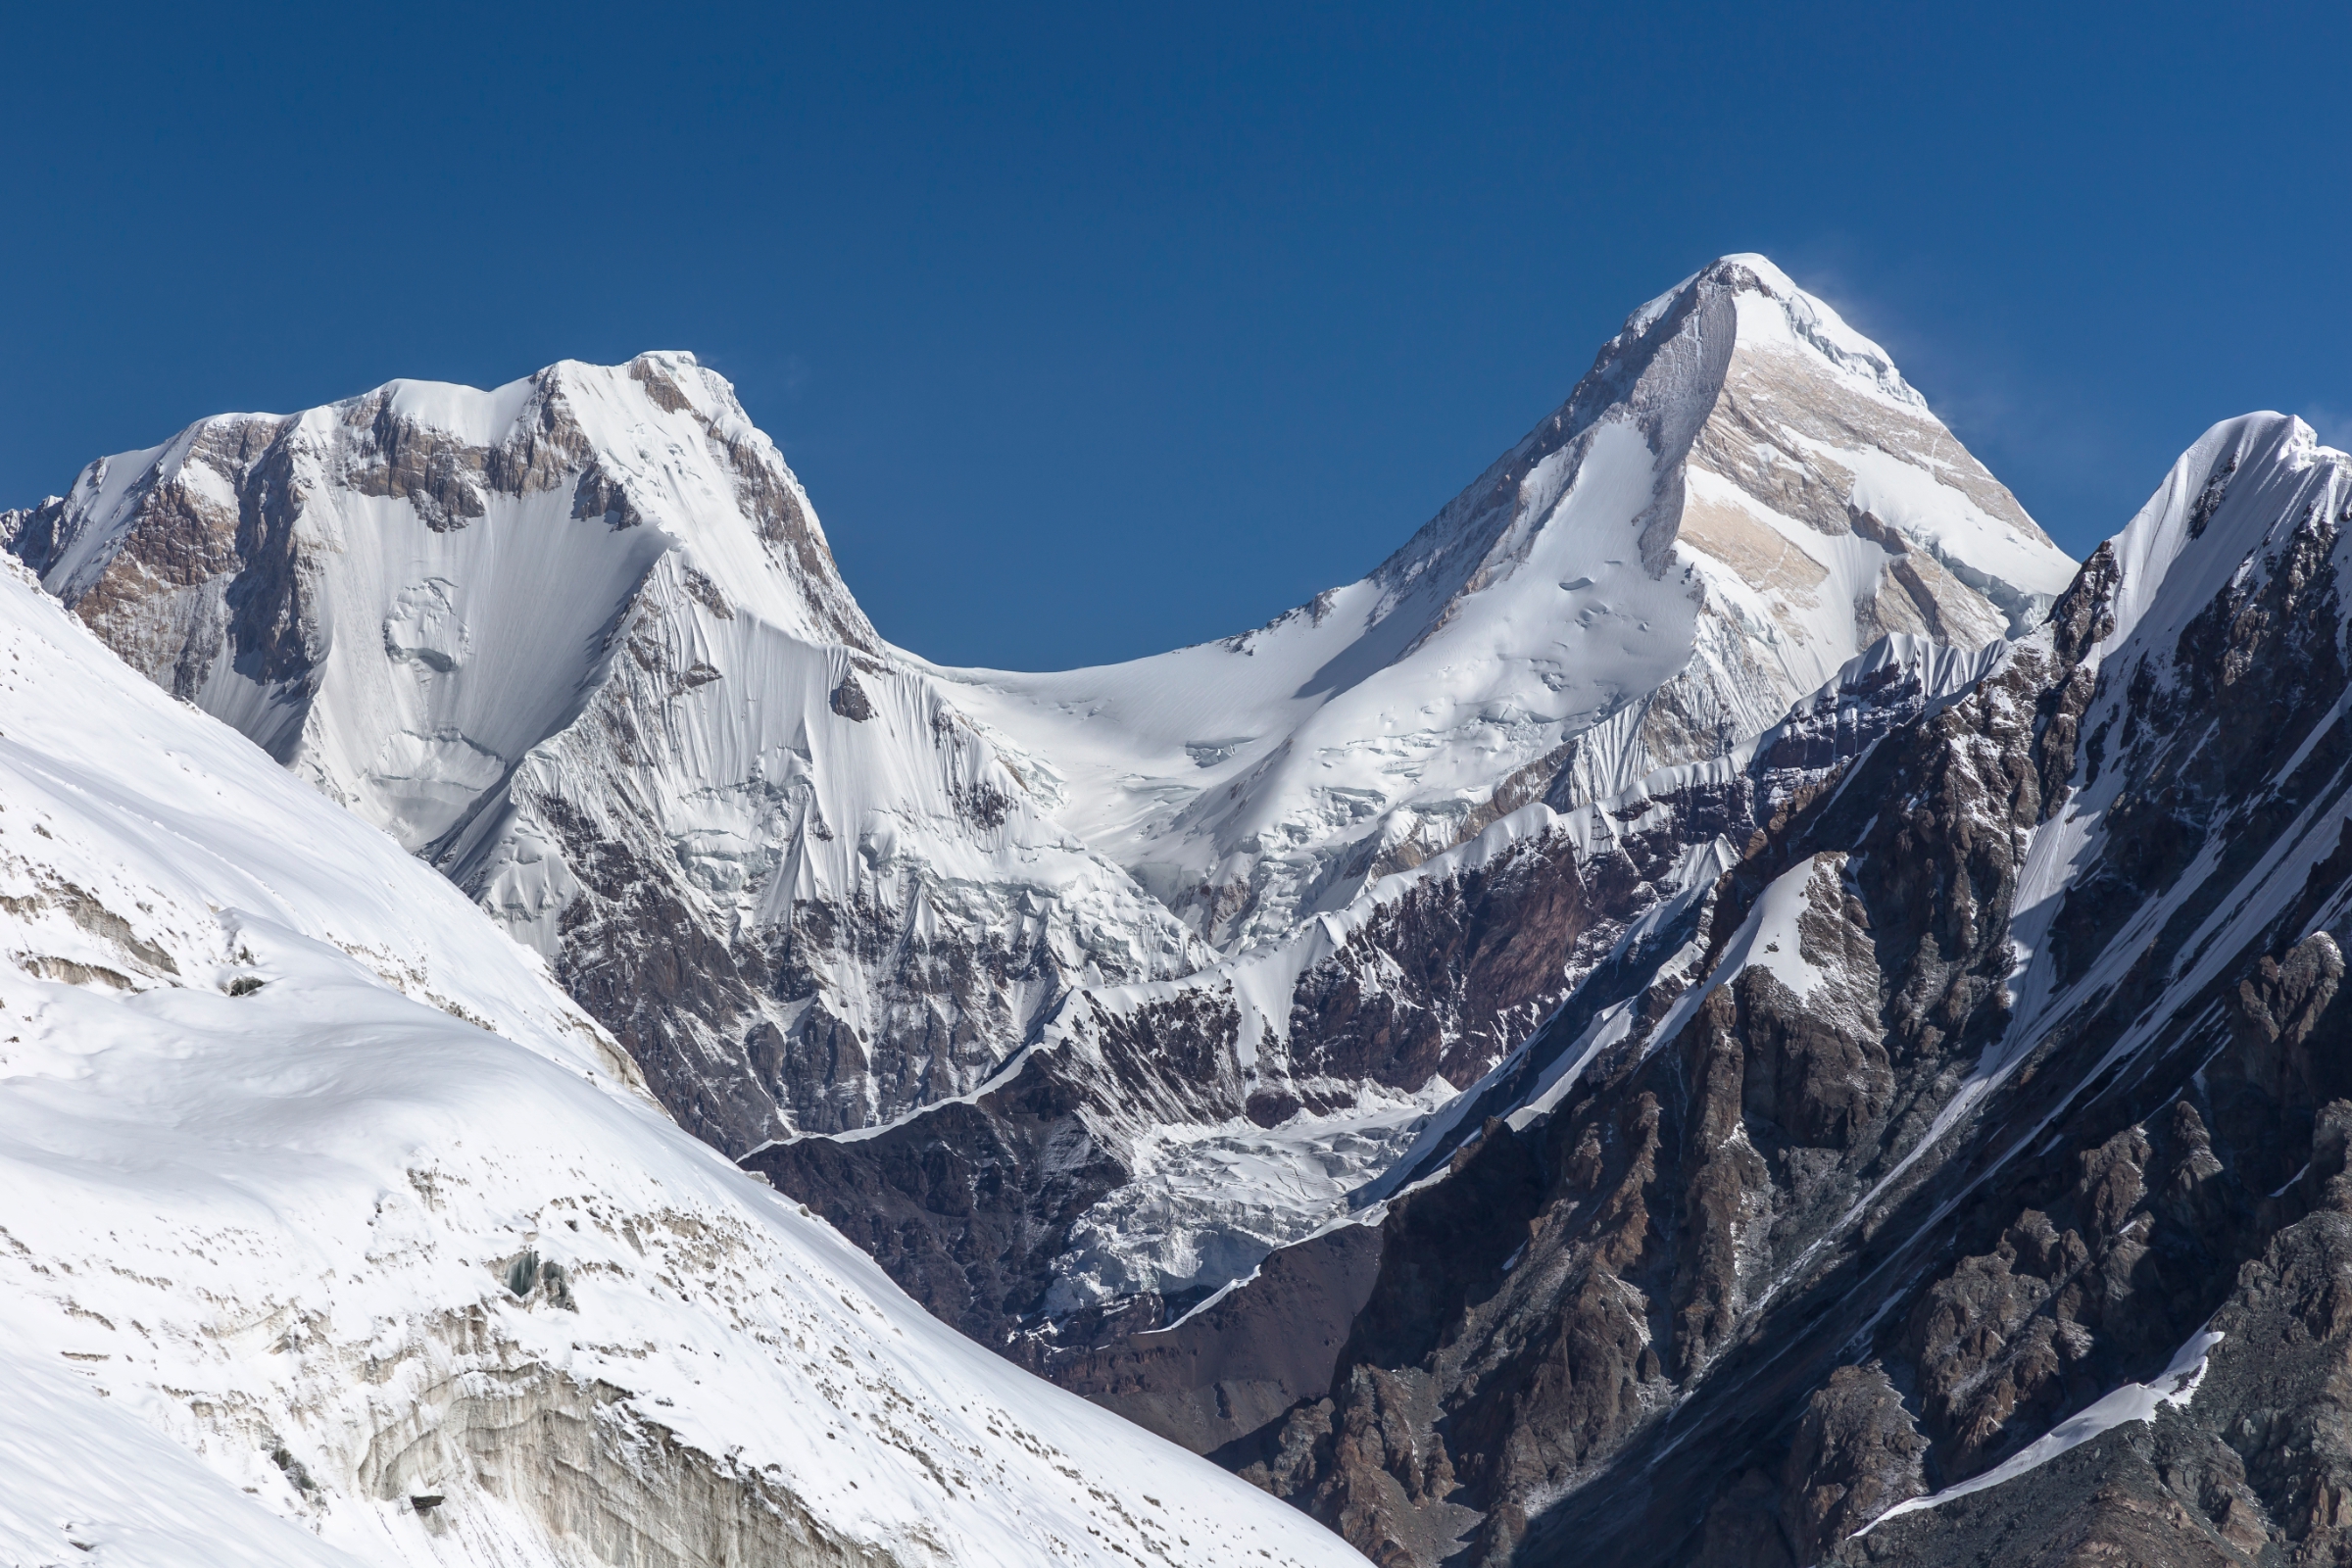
column 1740, row 496
column 316, row 1199
column 580, row 640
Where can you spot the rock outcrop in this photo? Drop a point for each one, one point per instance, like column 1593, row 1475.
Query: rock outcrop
column 1054, row 1214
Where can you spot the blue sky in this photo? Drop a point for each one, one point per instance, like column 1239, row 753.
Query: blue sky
column 1098, row 330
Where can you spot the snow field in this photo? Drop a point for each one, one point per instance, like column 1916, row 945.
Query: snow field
column 315, row 1197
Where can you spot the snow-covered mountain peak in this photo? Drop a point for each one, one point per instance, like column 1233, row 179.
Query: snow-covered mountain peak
column 580, row 637
column 661, row 440
column 1740, row 373
column 579, row 640
column 2229, row 502
column 1805, row 319
column 1740, row 495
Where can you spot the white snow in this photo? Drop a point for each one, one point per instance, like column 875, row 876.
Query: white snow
column 1207, row 1204
column 82, row 1472
column 284, row 1222
column 1951, row 527
column 2176, row 1385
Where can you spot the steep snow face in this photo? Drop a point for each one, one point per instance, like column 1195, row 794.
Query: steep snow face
column 1740, row 496
column 581, row 642
column 331, row 1231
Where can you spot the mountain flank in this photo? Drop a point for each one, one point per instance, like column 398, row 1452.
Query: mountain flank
column 1728, row 1005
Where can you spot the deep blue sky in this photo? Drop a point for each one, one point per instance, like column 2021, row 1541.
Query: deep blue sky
column 1096, row 330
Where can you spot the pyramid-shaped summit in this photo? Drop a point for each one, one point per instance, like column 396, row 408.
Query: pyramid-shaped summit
column 1740, row 495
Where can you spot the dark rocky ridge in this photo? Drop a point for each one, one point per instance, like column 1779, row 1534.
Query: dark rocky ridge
column 1776, row 1262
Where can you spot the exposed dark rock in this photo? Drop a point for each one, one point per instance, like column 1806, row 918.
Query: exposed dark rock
column 964, row 1203
column 1779, row 1274
column 1441, row 982
column 850, row 699
column 1856, row 1454
column 1236, row 1365
column 2253, row 1470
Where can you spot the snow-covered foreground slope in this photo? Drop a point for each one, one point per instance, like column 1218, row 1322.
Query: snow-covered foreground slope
column 318, row 1199
column 580, row 640
column 1740, row 496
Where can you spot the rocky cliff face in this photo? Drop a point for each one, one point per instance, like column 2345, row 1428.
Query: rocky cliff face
column 580, row 643
column 1911, row 1175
